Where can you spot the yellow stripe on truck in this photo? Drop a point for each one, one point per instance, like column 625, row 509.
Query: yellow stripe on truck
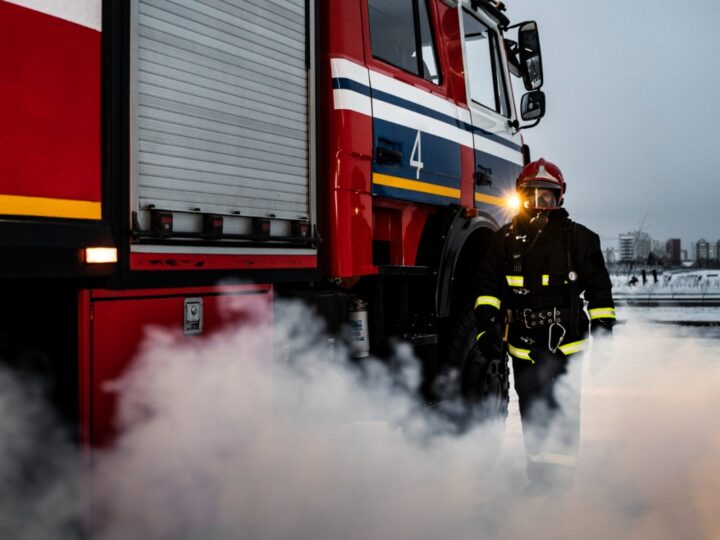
column 415, row 185
column 15, row 205
column 490, row 199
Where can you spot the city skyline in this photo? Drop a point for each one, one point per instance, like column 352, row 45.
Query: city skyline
column 637, row 245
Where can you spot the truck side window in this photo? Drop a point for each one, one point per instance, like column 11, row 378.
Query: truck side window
column 487, row 84
column 401, row 35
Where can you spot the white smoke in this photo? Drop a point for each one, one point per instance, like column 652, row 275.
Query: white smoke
column 222, row 440
column 40, row 481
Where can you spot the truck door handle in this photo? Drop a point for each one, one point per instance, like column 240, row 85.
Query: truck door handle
column 386, row 156
column 483, row 176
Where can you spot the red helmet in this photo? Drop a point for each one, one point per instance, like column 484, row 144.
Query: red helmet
column 542, row 174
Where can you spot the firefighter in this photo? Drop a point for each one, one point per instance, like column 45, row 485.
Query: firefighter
column 529, row 293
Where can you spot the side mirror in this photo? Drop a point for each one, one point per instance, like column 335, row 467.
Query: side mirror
column 532, row 106
column 530, row 57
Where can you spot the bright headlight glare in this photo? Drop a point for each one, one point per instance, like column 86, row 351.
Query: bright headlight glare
column 513, row 202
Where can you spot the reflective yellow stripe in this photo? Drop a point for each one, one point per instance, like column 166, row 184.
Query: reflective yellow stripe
column 488, row 301
column 479, row 335
column 546, row 280
column 46, row 207
column 522, row 354
column 568, row 348
column 414, row 185
column 602, row 313
column 515, row 281
column 553, row 459
column 575, row 346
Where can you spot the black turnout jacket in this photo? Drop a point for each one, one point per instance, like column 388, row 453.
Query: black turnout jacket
column 539, row 279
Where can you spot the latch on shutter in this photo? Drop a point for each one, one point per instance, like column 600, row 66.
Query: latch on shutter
column 193, row 316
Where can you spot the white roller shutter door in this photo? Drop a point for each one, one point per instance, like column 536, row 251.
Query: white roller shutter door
column 221, row 107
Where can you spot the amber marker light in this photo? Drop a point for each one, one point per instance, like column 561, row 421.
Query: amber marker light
column 100, row 255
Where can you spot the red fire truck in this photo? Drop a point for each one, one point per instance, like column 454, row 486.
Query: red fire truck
column 355, row 154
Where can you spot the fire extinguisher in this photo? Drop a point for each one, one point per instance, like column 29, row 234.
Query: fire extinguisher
column 359, row 338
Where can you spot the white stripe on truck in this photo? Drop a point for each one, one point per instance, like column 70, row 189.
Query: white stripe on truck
column 83, row 12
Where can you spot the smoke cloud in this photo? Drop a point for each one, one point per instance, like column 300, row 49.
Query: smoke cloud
column 222, row 440
column 40, row 471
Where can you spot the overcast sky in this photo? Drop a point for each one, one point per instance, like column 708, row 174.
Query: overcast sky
column 632, row 119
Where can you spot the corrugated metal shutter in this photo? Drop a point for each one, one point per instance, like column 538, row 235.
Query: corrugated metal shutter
column 222, row 107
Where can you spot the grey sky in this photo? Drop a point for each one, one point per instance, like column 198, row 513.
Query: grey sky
column 631, row 90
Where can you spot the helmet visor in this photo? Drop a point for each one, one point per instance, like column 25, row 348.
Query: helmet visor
column 539, row 198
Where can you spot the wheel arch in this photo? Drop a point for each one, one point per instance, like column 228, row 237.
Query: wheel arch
column 465, row 244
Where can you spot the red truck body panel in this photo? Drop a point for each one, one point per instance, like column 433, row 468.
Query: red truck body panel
column 114, row 325
column 50, row 142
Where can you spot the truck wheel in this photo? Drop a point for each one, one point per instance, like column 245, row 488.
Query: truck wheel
column 480, row 385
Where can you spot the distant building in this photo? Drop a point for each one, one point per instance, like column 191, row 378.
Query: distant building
column 634, row 246
column 717, row 251
column 702, row 251
column 626, row 247
column 684, row 254
column 673, row 251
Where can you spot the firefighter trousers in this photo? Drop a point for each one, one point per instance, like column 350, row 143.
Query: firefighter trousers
column 549, row 397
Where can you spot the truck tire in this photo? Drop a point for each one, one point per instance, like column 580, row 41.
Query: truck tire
column 479, row 385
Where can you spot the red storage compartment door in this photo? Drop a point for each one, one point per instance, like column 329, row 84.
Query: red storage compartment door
column 50, row 141
column 114, row 325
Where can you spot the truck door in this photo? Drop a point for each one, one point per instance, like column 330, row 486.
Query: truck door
column 417, row 134
column 498, row 156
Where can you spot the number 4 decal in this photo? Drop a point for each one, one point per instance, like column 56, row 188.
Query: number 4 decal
column 416, row 156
